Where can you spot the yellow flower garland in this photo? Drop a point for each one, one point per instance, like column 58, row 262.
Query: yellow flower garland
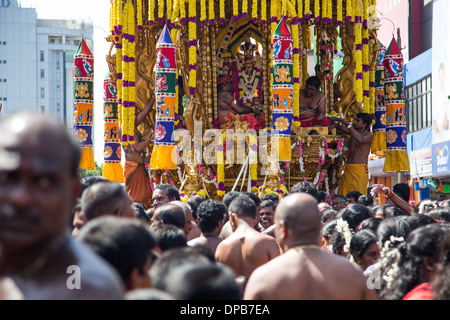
column 220, row 166
column 202, row 11
column 244, row 9
column 307, row 9
column 182, row 10
column 211, row 13
column 254, row 9
column 151, row 11
column 296, row 62
column 300, row 9
column 235, row 9
column 160, row 10
column 169, row 11
column 192, row 48
column 349, row 10
column 264, row 11
column 339, row 10
column 175, row 13
column 317, row 10
column 139, row 13
column 358, row 59
column 222, row 11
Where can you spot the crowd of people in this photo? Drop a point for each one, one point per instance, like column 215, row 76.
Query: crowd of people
column 62, row 237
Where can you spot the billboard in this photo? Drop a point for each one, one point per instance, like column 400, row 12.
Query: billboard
column 441, row 72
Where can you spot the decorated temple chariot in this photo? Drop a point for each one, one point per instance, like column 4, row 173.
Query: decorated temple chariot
column 227, row 79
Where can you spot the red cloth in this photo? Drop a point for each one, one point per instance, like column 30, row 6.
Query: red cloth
column 308, row 121
column 232, row 117
column 420, row 292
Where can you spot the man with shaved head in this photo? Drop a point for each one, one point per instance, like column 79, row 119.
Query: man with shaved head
column 39, row 186
column 304, row 271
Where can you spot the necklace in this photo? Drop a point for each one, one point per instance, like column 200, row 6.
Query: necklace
column 307, row 246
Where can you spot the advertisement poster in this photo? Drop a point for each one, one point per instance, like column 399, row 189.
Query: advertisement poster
column 441, row 72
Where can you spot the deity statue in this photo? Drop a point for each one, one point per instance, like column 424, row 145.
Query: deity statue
column 247, row 74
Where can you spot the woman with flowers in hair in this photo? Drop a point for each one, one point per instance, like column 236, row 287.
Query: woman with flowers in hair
column 408, row 270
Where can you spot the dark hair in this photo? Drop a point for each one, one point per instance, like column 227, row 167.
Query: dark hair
column 365, row 200
column 172, row 259
column 393, row 211
column 337, row 242
column 209, row 215
column 354, row 194
column 366, row 118
column 440, row 285
column 340, row 197
column 394, row 226
column 230, row 196
column 170, row 190
column 124, row 243
column 199, row 281
column 91, row 180
column 402, row 191
column 270, row 196
column 421, row 243
column 99, row 202
column 243, row 206
column 361, row 240
column 306, row 187
column 313, row 81
column 194, row 201
column 328, row 228
column 418, row 220
column 170, row 213
column 327, row 215
column 268, row 203
column 321, row 196
column 168, row 236
column 141, row 213
column 441, row 214
column 252, row 196
column 370, row 224
column 354, row 214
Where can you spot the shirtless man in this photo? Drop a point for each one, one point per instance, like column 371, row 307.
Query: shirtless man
column 136, row 179
column 313, row 104
column 39, row 185
column 304, row 271
column 210, row 218
column 245, row 249
column 356, row 176
column 229, row 109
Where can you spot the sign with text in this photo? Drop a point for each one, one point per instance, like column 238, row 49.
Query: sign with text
column 420, row 163
column 440, row 158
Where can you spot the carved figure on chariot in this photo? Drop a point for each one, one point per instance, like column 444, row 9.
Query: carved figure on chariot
column 239, row 87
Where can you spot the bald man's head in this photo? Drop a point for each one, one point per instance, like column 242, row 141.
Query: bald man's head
column 298, row 212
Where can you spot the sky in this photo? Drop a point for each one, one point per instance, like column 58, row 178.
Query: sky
column 96, row 11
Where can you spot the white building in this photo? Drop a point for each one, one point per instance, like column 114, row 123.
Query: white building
column 36, row 61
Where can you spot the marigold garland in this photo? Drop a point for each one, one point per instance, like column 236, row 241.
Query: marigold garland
column 220, row 167
column 254, row 11
column 339, row 10
column 192, row 47
column 235, row 10
column 222, row 12
column 263, row 12
column 349, row 10
column 296, row 62
column 244, row 9
column 183, row 11
column 202, row 12
column 139, row 14
column 316, row 11
column 307, row 9
column 211, row 14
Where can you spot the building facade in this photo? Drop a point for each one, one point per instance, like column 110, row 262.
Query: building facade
column 36, row 61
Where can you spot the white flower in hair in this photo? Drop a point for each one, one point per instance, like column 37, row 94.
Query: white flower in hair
column 343, row 228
